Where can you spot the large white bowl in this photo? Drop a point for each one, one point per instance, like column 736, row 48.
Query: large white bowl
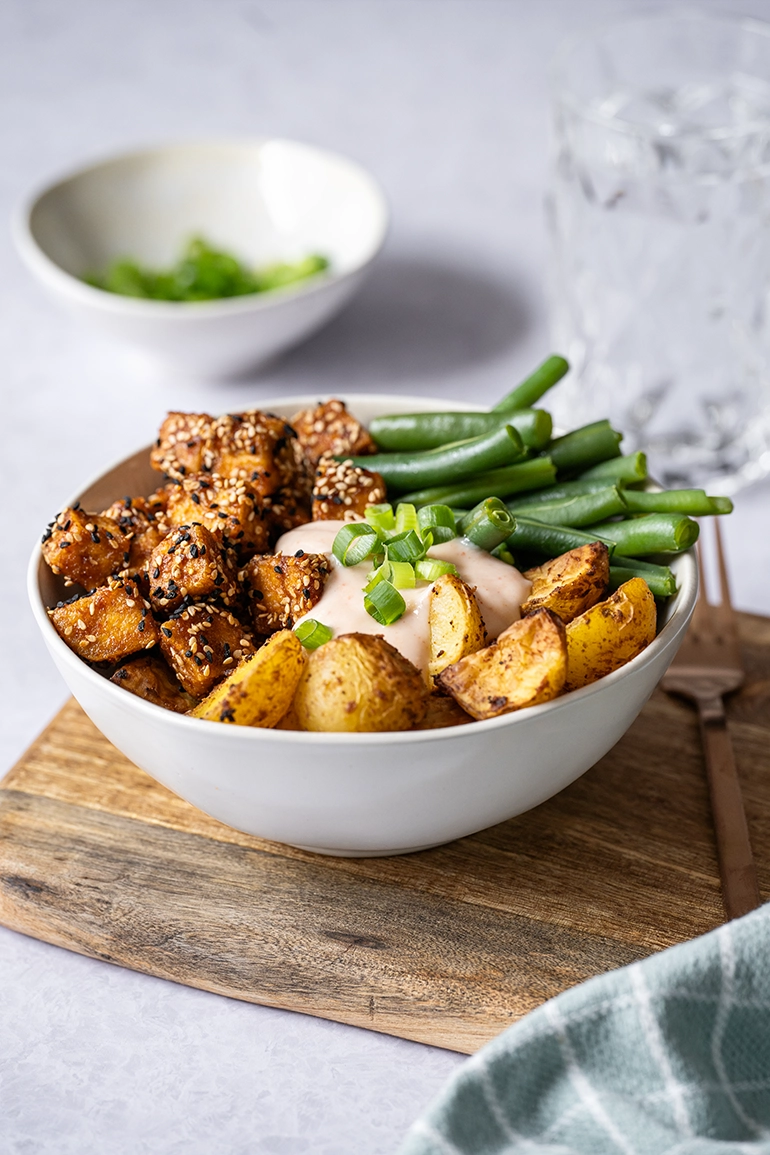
column 361, row 794
column 264, row 200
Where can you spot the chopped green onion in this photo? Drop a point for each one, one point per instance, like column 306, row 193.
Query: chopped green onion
column 381, row 517
column 406, row 517
column 379, row 574
column 354, row 542
column 384, row 603
column 502, row 553
column 439, row 520
column 407, row 546
column 402, row 575
column 313, row 634
column 429, row 569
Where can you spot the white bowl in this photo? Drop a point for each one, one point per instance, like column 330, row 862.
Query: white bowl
column 264, row 200
column 361, row 794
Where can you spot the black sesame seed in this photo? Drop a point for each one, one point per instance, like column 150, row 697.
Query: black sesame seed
column 193, row 549
column 47, row 534
column 277, row 569
column 300, row 553
column 188, row 653
column 258, row 595
column 166, row 631
column 141, row 626
column 156, row 573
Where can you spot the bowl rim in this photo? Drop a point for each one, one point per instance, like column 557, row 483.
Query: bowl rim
column 45, row 267
column 687, row 578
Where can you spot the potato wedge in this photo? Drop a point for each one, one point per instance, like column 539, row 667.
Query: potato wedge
column 612, row 632
column 570, row 584
column 455, row 625
column 260, row 690
column 526, row 665
column 443, row 711
column 360, row 683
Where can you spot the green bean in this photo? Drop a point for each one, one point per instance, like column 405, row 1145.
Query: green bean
column 518, row 478
column 582, row 509
column 628, row 469
column 585, row 446
column 549, row 540
column 651, row 533
column 566, row 489
column 401, row 471
column 534, row 386
column 659, row 578
column 488, row 525
column 413, row 432
column 695, row 502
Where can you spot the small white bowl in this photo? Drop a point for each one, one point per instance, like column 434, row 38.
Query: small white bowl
column 262, row 200
column 361, row 794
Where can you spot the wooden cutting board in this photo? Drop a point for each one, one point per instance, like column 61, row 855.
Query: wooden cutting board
column 447, row 946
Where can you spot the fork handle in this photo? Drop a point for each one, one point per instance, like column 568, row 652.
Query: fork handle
column 740, row 890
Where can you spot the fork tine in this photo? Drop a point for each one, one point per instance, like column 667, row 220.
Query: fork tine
column 724, row 584
column 701, row 611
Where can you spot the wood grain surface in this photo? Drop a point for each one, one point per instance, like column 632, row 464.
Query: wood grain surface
column 447, row 946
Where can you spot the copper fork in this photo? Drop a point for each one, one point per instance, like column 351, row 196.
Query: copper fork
column 707, row 667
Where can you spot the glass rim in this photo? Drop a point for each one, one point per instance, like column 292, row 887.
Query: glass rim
column 561, row 94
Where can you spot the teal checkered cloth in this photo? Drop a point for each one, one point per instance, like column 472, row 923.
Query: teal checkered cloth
column 669, row 1056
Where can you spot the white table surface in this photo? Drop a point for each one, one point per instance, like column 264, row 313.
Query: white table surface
column 445, row 100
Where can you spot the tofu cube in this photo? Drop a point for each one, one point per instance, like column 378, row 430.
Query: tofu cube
column 107, row 625
column 202, row 643
column 330, row 428
column 86, row 548
column 191, row 562
column 283, row 588
column 225, row 508
column 149, row 677
column 343, row 490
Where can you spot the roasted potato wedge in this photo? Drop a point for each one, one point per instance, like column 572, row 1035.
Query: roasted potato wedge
column 608, row 635
column 259, row 691
column 455, row 625
column 443, row 711
column 360, row 683
column 526, row 665
column 570, row 584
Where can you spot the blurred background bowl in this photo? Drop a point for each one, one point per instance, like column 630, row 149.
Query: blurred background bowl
column 266, row 201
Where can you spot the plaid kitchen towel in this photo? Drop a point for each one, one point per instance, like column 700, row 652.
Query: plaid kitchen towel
column 669, row 1056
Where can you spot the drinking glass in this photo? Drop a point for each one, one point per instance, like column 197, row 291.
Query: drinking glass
column 659, row 215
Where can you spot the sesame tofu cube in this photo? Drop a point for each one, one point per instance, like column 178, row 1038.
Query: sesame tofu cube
column 343, row 490
column 141, row 519
column 202, row 644
column 225, row 508
column 86, row 548
column 183, row 441
column 149, row 677
column 191, row 562
column 330, row 428
column 256, row 449
column 283, row 588
column 107, row 625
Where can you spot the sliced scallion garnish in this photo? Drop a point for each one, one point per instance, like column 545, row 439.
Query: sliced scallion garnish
column 429, row 569
column 439, row 521
column 402, row 575
column 407, row 546
column 406, row 517
column 355, row 542
column 313, row 634
column 381, row 517
column 384, row 603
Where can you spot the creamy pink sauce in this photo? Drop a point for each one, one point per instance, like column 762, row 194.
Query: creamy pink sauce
column 500, row 590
